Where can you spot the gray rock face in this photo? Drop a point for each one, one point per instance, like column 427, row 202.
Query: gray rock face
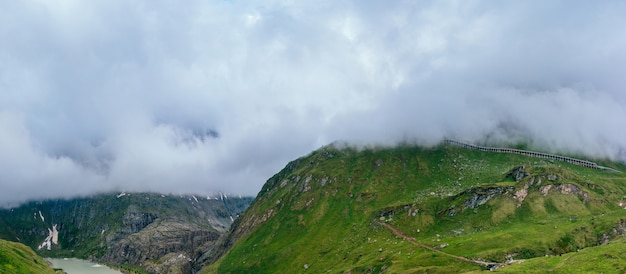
column 518, row 173
column 475, row 197
column 480, row 196
column 171, row 242
column 154, row 232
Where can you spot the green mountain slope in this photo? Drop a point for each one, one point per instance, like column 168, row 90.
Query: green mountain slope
column 412, row 210
column 601, row 259
column 18, row 258
column 138, row 231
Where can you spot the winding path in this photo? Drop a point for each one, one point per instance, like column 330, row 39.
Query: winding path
column 411, row 240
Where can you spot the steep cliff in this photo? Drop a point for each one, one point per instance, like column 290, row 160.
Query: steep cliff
column 148, row 231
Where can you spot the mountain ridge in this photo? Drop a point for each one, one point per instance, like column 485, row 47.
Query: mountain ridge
column 135, row 231
column 323, row 212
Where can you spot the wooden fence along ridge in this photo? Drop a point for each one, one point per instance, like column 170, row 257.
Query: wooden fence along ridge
column 574, row 161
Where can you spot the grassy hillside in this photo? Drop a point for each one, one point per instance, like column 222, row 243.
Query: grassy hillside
column 601, row 259
column 411, row 210
column 18, row 258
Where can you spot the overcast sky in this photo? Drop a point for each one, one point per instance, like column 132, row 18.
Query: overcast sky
column 208, row 96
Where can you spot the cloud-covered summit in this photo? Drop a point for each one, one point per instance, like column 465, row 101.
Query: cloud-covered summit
column 208, row 96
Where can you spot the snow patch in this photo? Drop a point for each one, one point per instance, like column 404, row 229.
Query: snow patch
column 194, row 197
column 121, row 195
column 42, row 218
column 53, row 238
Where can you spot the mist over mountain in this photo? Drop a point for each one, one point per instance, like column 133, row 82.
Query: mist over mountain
column 217, row 96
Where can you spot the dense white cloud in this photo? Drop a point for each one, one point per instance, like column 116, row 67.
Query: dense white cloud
column 208, row 96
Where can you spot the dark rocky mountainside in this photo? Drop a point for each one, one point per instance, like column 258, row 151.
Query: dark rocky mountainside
column 135, row 231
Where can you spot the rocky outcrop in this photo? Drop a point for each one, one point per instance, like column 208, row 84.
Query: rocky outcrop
column 520, row 194
column 567, row 189
column 133, row 221
column 480, row 196
column 161, row 246
column 158, row 233
column 517, row 173
column 475, row 197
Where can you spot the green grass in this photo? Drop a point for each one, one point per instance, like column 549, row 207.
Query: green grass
column 18, row 258
column 600, row 259
column 322, row 211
